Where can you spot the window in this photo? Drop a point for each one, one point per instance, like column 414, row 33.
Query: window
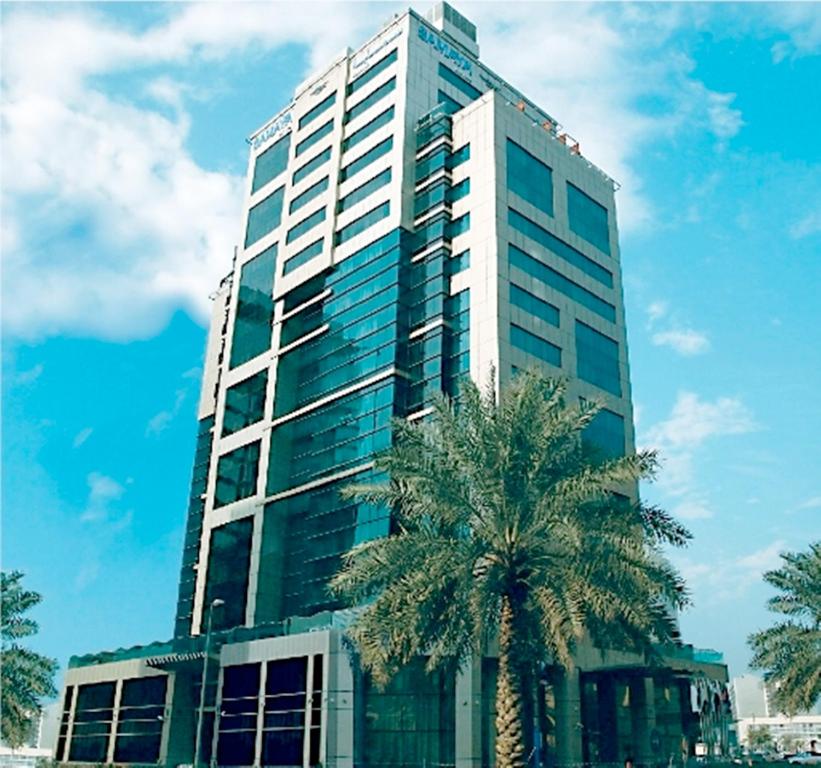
column 529, row 178
column 372, row 127
column 458, row 226
column 587, row 218
column 371, row 99
column 270, row 163
column 371, row 156
column 375, row 70
column 309, row 194
column 550, row 277
column 307, row 224
column 458, row 191
column 450, row 105
column 303, row 256
column 140, row 720
column 239, row 711
column 597, row 359
column 559, row 248
column 364, row 191
column 535, row 345
column 237, row 474
column 229, row 557
column 458, row 262
column 244, row 403
column 357, row 226
column 255, row 308
column 533, row 305
column 316, row 111
column 93, row 715
column 264, row 217
column 459, row 83
column 459, row 156
column 309, row 167
column 606, row 433
column 317, row 135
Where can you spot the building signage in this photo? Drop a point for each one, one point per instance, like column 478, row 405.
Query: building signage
column 446, row 50
column 274, row 128
column 366, row 55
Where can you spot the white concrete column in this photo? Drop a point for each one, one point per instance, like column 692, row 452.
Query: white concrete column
column 115, row 717
column 469, row 715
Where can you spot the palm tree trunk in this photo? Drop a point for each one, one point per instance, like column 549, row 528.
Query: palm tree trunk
column 510, row 747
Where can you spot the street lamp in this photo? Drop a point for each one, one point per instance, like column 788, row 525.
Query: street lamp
column 201, row 710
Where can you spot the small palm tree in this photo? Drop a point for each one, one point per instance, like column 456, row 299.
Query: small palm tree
column 790, row 652
column 507, row 525
column 26, row 677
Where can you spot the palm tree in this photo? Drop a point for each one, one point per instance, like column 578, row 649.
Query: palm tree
column 26, row 677
column 790, row 652
column 507, row 525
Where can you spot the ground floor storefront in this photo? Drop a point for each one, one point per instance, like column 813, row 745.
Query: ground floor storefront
column 299, row 700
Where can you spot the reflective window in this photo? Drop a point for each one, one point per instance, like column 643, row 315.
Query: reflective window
column 244, row 403
column 313, row 113
column 364, row 191
column 93, row 715
column 458, row 226
column 458, row 191
column 255, row 308
column 270, row 163
column 357, row 226
column 533, row 305
column 306, row 225
column 451, row 105
column 449, row 76
column 535, row 345
column 606, row 432
column 264, row 217
column 237, row 474
column 558, row 247
column 239, row 710
column 371, row 99
column 303, row 256
column 140, row 720
column 587, row 218
column 372, row 127
column 529, row 178
column 229, row 557
column 317, row 135
column 375, row 70
column 597, row 359
column 309, row 194
column 372, row 155
column 459, row 156
column 309, row 167
column 557, row 281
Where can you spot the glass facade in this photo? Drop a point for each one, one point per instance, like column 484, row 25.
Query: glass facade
column 371, row 156
column 304, row 256
column 306, row 225
column 587, row 218
column 93, row 716
column 358, row 226
column 313, row 138
column 532, row 230
column 363, row 106
column 606, row 433
column 533, row 305
column 535, row 345
column 450, row 77
column 320, row 109
column 244, row 403
column 597, row 359
column 365, row 190
column 229, row 557
column 264, row 217
column 529, row 178
column 255, row 308
column 558, row 282
column 374, row 71
column 237, row 474
column 271, row 163
column 140, row 720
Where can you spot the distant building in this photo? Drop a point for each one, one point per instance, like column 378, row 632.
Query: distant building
column 410, row 218
column 789, row 734
column 749, row 696
column 39, row 745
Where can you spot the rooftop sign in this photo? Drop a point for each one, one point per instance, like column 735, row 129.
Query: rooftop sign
column 446, row 50
column 278, row 126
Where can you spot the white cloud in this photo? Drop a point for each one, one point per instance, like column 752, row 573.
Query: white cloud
column 81, row 437
column 656, row 310
column 810, row 224
column 686, row 342
column 160, row 421
column 692, row 509
column 28, row 376
column 103, row 491
column 110, row 223
column 812, row 503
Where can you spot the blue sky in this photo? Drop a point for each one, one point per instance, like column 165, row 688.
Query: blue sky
column 123, row 159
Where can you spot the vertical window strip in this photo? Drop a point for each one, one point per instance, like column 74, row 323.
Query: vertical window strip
column 270, row 163
column 529, row 178
column 587, row 218
column 264, row 217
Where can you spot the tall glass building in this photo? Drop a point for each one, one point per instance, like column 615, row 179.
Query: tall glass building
column 410, row 218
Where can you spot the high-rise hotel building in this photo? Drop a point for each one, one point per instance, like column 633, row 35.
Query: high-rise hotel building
column 410, row 218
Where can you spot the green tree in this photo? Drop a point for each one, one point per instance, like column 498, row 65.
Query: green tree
column 26, row 677
column 507, row 525
column 759, row 739
column 790, row 652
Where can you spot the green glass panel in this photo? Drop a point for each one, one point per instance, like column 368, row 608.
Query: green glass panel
column 380, row 93
column 306, row 225
column 587, row 218
column 449, row 76
column 529, row 178
column 264, row 217
column 533, row 305
column 535, row 345
column 309, row 194
column 368, row 130
column 597, row 359
column 229, row 557
column 237, row 474
column 316, row 136
column 309, row 167
column 377, row 68
column 365, row 190
column 255, row 308
column 303, row 257
column 313, row 113
column 371, row 156
column 244, row 403
column 357, row 226
column 270, row 163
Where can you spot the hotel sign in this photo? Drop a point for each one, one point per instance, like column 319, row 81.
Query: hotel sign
column 446, row 50
column 274, row 128
column 366, row 56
